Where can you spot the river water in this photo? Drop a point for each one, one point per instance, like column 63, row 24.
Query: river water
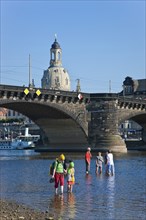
column 24, row 179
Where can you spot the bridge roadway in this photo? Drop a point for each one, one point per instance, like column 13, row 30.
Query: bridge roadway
column 66, row 120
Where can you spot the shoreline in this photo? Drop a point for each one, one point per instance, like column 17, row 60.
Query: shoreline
column 11, row 210
column 80, row 150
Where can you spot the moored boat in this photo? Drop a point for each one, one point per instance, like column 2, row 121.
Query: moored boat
column 20, row 142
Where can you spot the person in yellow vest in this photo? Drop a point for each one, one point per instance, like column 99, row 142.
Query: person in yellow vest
column 58, row 173
column 70, row 176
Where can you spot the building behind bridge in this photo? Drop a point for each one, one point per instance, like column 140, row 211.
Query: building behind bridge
column 134, row 87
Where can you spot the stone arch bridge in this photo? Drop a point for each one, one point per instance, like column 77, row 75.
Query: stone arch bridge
column 67, row 120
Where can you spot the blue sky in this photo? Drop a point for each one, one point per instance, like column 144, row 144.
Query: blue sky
column 102, row 41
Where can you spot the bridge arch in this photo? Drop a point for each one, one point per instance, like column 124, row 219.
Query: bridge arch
column 138, row 115
column 57, row 121
column 139, row 118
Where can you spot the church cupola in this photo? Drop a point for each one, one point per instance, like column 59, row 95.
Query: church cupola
column 56, row 54
column 56, row 76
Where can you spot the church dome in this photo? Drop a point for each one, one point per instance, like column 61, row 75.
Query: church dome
column 56, row 76
column 55, row 45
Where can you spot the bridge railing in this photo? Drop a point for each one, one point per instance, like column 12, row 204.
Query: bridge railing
column 43, row 91
column 89, row 97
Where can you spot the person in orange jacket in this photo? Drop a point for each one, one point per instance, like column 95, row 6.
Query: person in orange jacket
column 88, row 156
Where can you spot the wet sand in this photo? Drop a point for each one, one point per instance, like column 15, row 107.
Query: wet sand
column 13, row 211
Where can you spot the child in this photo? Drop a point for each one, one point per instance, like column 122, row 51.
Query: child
column 99, row 161
column 70, row 176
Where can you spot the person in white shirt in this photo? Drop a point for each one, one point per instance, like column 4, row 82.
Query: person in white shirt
column 110, row 164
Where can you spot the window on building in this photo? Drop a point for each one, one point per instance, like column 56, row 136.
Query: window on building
column 128, row 89
column 9, row 113
column 59, row 56
column 13, row 113
column 57, row 81
column 53, row 56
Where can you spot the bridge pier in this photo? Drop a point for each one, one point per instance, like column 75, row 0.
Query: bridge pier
column 144, row 133
column 103, row 127
column 108, row 142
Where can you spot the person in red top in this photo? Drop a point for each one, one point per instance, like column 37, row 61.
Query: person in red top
column 88, row 156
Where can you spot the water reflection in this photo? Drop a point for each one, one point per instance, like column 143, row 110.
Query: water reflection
column 16, row 154
column 88, row 194
column 110, row 196
column 56, row 206
column 88, row 179
column 62, row 205
column 71, row 206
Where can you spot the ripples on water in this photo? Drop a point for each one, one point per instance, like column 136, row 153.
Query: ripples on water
column 24, row 178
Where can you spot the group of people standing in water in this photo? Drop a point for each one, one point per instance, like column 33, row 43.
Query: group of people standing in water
column 107, row 160
column 62, row 167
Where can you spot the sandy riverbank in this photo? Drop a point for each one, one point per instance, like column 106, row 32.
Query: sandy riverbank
column 13, row 211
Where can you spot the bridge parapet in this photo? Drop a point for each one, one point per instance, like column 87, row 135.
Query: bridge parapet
column 132, row 103
column 15, row 93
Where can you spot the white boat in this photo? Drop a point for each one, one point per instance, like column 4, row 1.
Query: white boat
column 20, row 142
